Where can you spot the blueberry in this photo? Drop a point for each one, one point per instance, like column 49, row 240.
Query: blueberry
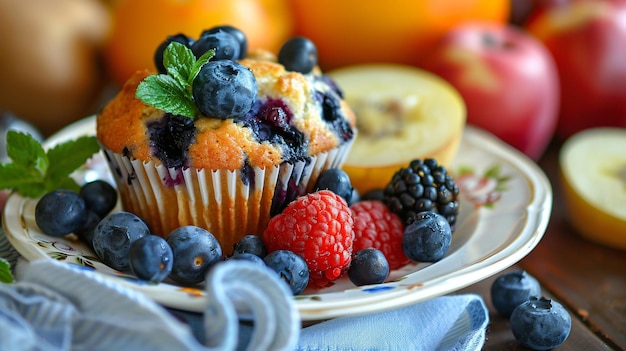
column 85, row 231
column 540, row 324
column 225, row 45
column 290, row 267
column 427, row 238
column 195, row 251
column 248, row 257
column 375, row 194
column 333, row 115
column 99, row 196
column 224, row 89
column 151, row 258
column 158, row 54
column 235, row 32
column 337, row 181
column 512, row 289
column 251, row 244
column 298, row 54
column 272, row 121
column 355, row 196
column 170, row 138
column 113, row 237
column 368, row 266
column 60, row 212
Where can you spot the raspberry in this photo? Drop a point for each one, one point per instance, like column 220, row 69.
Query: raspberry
column 376, row 226
column 318, row 227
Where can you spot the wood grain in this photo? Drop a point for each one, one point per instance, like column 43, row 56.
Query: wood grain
column 588, row 279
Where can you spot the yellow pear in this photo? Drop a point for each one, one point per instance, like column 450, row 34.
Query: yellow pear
column 403, row 113
column 593, row 174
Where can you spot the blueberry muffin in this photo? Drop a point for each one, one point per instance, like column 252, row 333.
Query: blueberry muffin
column 255, row 132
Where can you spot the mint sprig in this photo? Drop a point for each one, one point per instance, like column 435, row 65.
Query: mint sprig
column 34, row 171
column 172, row 92
column 5, row 272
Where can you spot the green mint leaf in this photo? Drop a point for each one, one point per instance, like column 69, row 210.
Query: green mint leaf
column 25, row 175
column 5, row 272
column 15, row 175
column 178, row 60
column 172, row 92
column 32, row 190
column 66, row 157
column 58, row 182
column 164, row 92
column 202, row 60
column 25, row 150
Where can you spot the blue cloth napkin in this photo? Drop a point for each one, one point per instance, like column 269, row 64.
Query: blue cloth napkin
column 56, row 306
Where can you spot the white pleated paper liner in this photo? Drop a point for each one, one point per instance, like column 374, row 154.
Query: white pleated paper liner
column 217, row 200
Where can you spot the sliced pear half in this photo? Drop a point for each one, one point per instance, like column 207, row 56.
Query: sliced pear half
column 593, row 171
column 403, row 113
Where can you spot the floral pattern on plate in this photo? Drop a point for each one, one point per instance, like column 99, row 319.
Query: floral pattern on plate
column 482, row 189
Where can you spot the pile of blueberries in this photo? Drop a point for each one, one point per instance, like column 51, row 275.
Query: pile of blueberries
column 536, row 322
column 123, row 241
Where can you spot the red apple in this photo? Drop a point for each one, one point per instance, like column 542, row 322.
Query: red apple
column 506, row 77
column 588, row 42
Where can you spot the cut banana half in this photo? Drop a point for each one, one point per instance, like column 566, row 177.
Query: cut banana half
column 403, row 113
column 593, row 170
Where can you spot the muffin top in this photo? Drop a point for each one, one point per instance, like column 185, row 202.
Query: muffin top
column 288, row 117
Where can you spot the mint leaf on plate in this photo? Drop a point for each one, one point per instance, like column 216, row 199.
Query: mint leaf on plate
column 26, row 151
column 5, row 272
column 33, row 171
column 25, row 180
column 66, row 157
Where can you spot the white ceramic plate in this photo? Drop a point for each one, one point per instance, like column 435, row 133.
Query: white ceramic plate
column 505, row 208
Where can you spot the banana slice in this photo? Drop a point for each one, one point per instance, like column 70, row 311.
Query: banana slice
column 593, row 171
column 403, row 113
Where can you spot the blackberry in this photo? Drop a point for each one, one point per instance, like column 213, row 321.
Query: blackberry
column 423, row 186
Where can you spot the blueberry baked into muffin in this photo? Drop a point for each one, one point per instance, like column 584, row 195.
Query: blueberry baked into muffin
column 222, row 138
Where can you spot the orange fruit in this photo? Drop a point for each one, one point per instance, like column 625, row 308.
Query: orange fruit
column 351, row 31
column 404, row 113
column 139, row 26
column 593, row 176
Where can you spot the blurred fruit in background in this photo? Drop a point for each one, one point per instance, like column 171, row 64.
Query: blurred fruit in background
column 49, row 67
column 139, row 26
column 521, row 10
column 507, row 78
column 587, row 39
column 350, row 32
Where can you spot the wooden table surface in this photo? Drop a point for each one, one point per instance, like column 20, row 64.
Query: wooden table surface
column 588, row 279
